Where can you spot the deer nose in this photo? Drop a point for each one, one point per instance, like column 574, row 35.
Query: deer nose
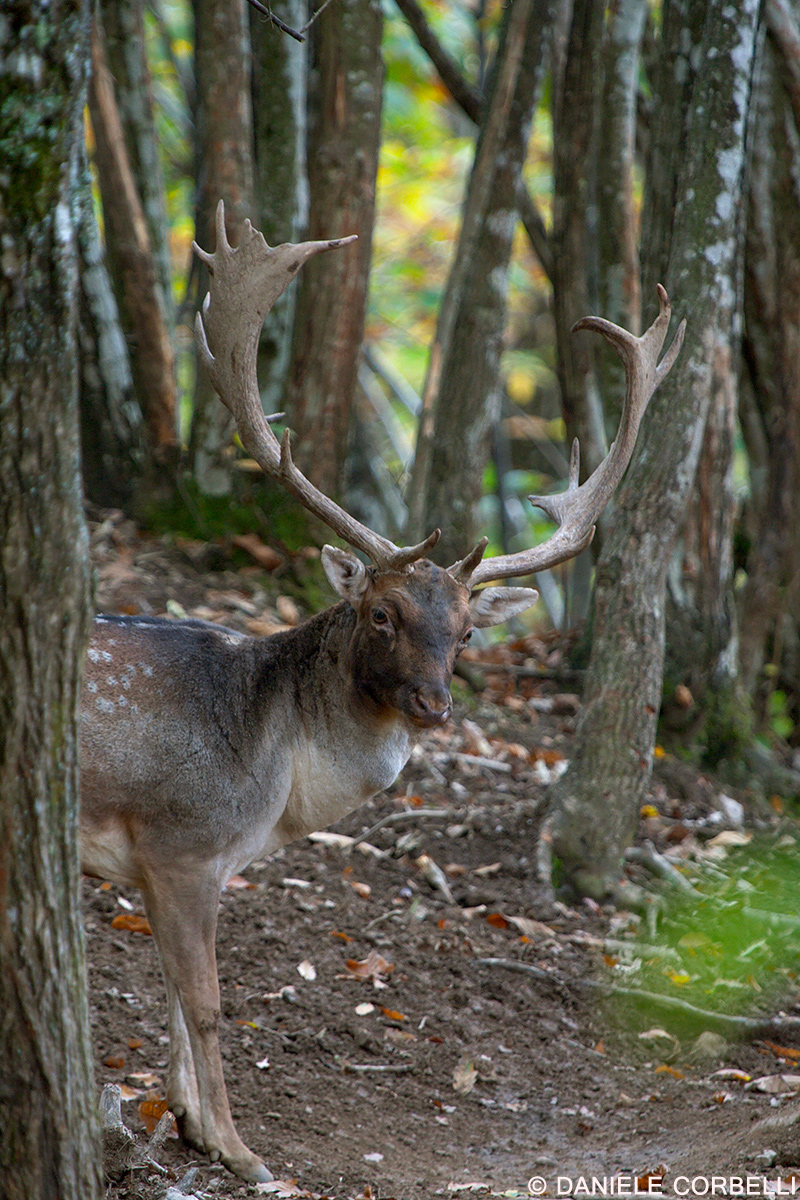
column 431, row 704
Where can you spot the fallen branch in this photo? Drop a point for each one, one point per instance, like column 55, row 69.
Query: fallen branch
column 749, row 1026
column 400, row 819
column 648, row 856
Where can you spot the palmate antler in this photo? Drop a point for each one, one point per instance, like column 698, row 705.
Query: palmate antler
column 577, row 510
column 245, row 283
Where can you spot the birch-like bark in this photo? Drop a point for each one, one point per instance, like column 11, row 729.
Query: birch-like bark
column 126, row 47
column 280, row 122
column 595, row 805
column 112, row 437
column 224, row 172
column 344, row 140
column 48, row 1131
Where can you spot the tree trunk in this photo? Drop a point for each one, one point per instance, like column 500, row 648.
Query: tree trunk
column 595, row 805
column 123, row 25
column 575, row 212
column 770, row 634
column 112, row 443
column 619, row 293
column 224, row 172
column 133, row 267
column 461, row 398
column 280, row 85
column 49, row 1149
column 343, row 146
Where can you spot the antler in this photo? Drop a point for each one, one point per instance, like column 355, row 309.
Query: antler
column 245, row 283
column 577, row 509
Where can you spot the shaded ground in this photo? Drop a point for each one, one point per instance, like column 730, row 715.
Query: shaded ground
column 441, row 1070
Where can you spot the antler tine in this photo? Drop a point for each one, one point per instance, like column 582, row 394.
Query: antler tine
column 245, row 282
column 577, row 509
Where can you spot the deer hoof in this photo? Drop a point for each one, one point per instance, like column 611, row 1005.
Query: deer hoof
column 245, row 1164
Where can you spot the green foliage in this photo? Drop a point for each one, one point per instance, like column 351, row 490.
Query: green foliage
column 255, row 507
column 730, row 947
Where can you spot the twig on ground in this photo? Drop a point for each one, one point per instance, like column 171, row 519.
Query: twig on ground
column 392, row 1068
column 648, row 856
column 729, row 1021
column 400, row 818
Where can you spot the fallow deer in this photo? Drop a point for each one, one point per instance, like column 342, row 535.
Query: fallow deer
column 202, row 749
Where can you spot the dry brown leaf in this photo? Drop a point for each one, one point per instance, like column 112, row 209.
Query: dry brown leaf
column 781, row 1051
column 239, row 883
column 133, row 922
column 371, row 967
column 393, row 1015
column 115, row 1061
column 151, row 1111
column 497, row 920
column 263, row 554
column 361, row 889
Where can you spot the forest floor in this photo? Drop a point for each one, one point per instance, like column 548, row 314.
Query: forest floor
column 377, row 1043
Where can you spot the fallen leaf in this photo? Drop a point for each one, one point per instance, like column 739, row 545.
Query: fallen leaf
column 731, row 837
column 393, row 1015
column 134, row 1043
column 532, row 929
column 263, row 1064
column 361, row 889
column 464, row 1076
column 151, row 1111
column 263, row 554
column 343, row 937
column 287, row 610
column 371, row 967
column 732, row 1073
column 363, row 1010
column 398, row 1035
column 665, row 1069
column 143, row 1079
column 115, row 1061
column 489, row 869
column 239, row 883
column 374, row 1157
column 497, row 920
column 307, row 969
column 126, row 1092
column 781, row 1051
column 132, row 922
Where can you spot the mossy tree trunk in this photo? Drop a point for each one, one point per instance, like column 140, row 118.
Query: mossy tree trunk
column 595, row 805
column 48, row 1144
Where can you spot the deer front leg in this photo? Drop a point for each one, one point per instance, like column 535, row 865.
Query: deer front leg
column 184, row 922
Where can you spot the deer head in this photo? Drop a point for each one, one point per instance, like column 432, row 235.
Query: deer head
column 390, row 595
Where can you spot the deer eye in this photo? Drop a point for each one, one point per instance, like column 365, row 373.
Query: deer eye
column 380, row 616
column 466, row 637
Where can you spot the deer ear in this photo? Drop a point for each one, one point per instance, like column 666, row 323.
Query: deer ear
column 493, row 605
column 347, row 574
